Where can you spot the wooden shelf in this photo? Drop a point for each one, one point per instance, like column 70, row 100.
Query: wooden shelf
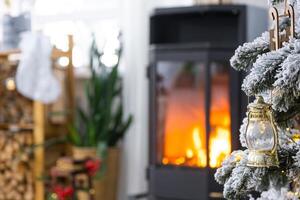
column 41, row 125
column 16, row 127
column 6, row 53
column 56, row 53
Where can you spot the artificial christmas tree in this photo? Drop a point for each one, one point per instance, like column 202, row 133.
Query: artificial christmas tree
column 273, row 65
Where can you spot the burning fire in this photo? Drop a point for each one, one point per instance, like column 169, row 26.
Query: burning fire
column 196, row 156
column 190, row 149
column 185, row 142
column 200, row 153
column 219, row 147
column 220, row 136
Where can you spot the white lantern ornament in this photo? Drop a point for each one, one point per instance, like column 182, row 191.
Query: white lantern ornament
column 261, row 135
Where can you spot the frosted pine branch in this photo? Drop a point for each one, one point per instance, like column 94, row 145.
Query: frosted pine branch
column 243, row 132
column 262, row 75
column 287, row 85
column 297, row 12
column 235, row 187
column 246, row 54
column 245, row 179
column 276, row 71
column 277, row 194
column 274, row 2
column 224, row 172
column 239, row 179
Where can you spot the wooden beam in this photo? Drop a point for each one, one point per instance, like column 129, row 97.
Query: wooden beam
column 38, row 135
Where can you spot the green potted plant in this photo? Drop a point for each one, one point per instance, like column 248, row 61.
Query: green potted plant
column 101, row 123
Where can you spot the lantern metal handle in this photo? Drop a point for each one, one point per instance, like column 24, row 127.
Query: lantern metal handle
column 246, row 130
column 270, row 116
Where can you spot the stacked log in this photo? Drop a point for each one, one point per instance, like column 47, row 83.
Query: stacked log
column 15, row 108
column 16, row 177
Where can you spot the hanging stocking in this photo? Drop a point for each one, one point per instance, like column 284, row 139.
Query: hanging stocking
column 34, row 78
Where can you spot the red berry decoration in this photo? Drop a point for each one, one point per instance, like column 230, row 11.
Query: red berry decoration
column 92, row 166
column 63, row 193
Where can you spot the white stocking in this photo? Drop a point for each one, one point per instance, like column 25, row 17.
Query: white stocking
column 34, row 78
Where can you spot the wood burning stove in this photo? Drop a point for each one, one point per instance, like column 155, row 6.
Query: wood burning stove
column 196, row 106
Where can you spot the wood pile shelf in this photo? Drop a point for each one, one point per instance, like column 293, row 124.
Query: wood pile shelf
column 40, row 124
column 16, row 127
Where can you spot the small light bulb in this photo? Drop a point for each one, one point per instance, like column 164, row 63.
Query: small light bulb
column 262, row 127
column 10, row 84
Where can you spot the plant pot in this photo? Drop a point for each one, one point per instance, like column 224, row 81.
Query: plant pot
column 81, row 153
column 109, row 182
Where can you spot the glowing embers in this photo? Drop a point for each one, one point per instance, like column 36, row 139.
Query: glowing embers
column 195, row 152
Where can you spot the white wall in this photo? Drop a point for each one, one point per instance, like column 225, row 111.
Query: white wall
column 262, row 3
column 134, row 24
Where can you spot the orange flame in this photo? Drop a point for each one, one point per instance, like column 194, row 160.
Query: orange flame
column 219, row 147
column 199, row 148
column 195, row 154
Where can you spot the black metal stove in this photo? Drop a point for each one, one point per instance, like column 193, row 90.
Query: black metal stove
column 196, row 106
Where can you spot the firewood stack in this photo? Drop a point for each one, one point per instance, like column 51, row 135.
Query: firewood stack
column 24, row 126
column 14, row 107
column 16, row 177
column 16, row 140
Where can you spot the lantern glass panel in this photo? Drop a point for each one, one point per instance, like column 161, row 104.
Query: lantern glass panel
column 260, row 135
